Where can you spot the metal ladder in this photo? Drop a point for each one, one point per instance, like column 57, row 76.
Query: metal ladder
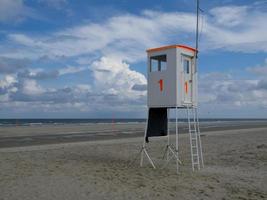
column 195, row 140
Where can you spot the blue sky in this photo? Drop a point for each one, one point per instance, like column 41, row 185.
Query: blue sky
column 84, row 59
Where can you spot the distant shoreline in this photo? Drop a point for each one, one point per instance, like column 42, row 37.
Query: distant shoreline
column 39, row 122
column 19, row 135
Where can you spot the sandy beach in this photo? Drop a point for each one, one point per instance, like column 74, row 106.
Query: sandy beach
column 235, row 168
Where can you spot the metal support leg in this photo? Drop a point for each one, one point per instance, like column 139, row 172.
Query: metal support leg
column 142, row 157
column 169, row 151
column 199, row 139
column 168, row 132
column 144, row 143
column 150, row 160
column 176, row 141
column 143, row 150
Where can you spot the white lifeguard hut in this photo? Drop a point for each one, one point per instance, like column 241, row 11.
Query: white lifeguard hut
column 172, row 84
column 172, row 77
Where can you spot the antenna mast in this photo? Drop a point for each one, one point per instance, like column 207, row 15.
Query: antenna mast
column 197, row 28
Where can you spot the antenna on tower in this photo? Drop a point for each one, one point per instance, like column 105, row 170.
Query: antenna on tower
column 197, row 9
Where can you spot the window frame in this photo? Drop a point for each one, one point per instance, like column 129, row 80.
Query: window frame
column 160, row 59
column 191, row 60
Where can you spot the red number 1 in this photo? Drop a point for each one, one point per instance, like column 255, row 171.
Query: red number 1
column 160, row 85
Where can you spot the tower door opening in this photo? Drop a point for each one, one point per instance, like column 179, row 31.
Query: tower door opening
column 188, row 80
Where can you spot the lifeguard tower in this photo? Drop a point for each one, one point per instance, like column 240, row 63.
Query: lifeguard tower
column 172, row 84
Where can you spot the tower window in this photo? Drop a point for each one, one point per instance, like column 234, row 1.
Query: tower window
column 158, row 63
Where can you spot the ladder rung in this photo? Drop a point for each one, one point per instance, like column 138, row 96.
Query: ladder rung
column 192, row 131
column 193, row 135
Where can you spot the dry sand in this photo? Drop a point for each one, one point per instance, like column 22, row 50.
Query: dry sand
column 235, row 168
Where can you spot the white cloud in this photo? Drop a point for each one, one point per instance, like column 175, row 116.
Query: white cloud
column 7, row 81
column 42, row 74
column 108, row 48
column 83, row 88
column 223, row 89
column 10, row 9
column 71, row 70
column 23, row 40
column 111, row 38
column 260, row 70
column 236, row 28
column 7, row 86
column 229, row 16
column 231, row 28
column 14, row 11
column 113, row 88
column 30, row 87
column 113, row 76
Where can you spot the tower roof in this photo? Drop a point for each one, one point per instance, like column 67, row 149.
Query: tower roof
column 170, row 47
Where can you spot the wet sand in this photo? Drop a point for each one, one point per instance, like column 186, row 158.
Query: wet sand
column 16, row 136
column 235, row 168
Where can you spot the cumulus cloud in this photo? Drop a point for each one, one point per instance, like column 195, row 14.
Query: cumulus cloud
column 21, row 89
column 223, row 89
column 30, row 87
column 114, row 77
column 7, row 83
column 113, row 86
column 105, row 50
column 7, row 86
